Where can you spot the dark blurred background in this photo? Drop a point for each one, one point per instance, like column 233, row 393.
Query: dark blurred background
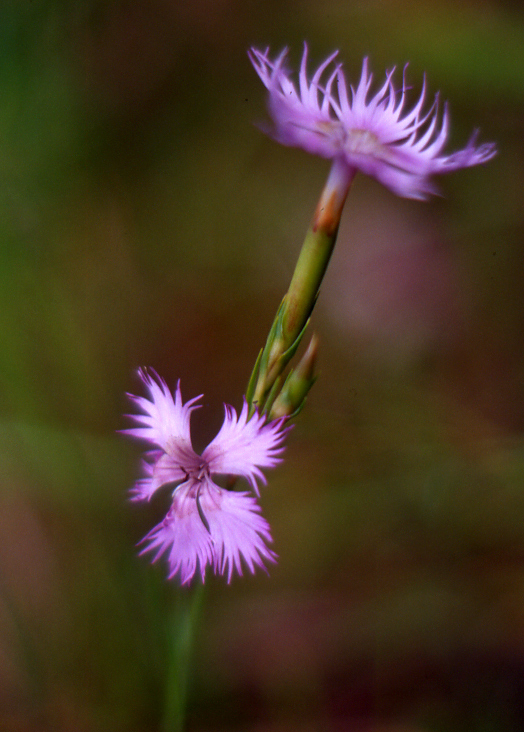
column 145, row 220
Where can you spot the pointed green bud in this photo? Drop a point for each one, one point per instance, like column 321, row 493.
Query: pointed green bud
column 297, row 385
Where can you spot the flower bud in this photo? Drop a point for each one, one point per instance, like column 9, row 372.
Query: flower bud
column 293, row 394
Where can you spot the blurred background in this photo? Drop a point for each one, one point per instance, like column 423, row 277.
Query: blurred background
column 145, row 220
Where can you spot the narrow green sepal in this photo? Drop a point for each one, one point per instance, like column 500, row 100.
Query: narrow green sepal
column 257, row 383
column 273, row 361
column 266, row 409
column 274, row 337
column 285, row 356
column 250, row 391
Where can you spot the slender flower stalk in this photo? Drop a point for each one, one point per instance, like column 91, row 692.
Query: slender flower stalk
column 206, row 525
column 295, row 310
column 317, row 250
column 298, row 303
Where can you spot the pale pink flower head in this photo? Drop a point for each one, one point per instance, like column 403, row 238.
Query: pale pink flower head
column 373, row 133
column 206, row 525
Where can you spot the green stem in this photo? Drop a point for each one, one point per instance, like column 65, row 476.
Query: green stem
column 181, row 635
column 305, row 284
column 316, row 251
column 298, row 303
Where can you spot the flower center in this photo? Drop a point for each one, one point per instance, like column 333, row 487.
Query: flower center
column 362, row 142
column 199, row 474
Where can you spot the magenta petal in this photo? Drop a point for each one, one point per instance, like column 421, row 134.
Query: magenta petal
column 163, row 470
column 238, row 531
column 235, row 534
column 182, row 537
column 165, row 421
column 243, row 445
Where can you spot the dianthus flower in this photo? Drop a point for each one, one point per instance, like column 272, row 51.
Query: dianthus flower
column 371, row 133
column 206, row 524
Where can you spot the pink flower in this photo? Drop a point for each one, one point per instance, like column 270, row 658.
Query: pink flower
column 371, row 133
column 206, row 524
